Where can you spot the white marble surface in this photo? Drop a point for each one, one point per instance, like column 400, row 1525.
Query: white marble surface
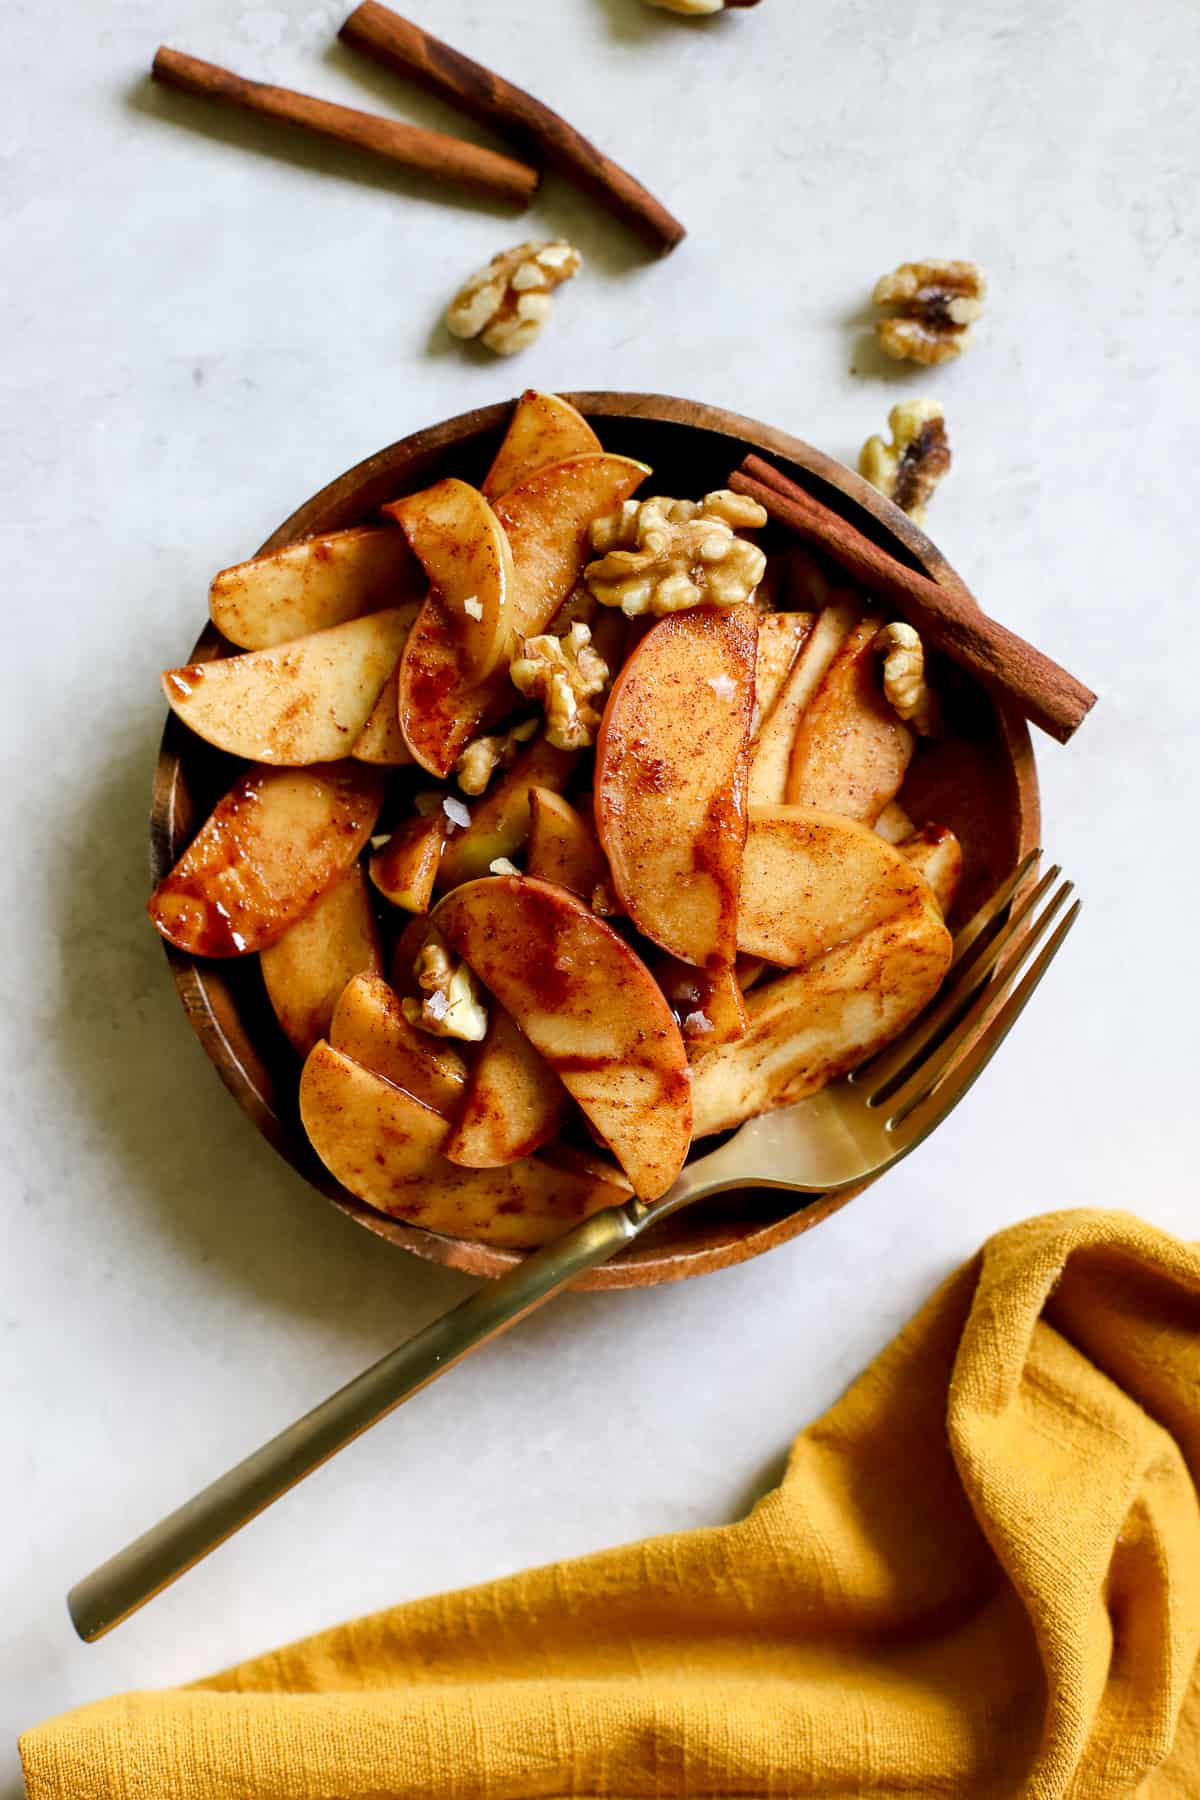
column 204, row 320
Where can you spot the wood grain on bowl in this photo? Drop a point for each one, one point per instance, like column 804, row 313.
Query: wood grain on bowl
column 979, row 780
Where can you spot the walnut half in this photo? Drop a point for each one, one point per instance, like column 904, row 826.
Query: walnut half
column 565, row 674
column 909, row 468
column 451, row 1006
column 506, row 304
column 661, row 556
column 484, row 755
column 937, row 301
column 904, row 684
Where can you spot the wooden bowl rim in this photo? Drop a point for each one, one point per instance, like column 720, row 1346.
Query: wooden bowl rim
column 649, row 1269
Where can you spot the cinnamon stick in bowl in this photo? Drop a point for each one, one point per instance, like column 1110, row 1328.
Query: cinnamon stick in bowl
column 378, row 32
column 947, row 617
column 429, row 152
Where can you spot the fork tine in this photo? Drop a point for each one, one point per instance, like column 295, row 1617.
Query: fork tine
column 893, row 1065
column 902, row 1098
column 966, row 939
column 920, row 1117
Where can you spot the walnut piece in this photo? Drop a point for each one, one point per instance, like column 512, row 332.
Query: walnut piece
column 904, row 683
column 909, row 468
column 938, row 302
column 451, row 1007
column 484, row 755
column 565, row 674
column 662, row 555
column 506, row 304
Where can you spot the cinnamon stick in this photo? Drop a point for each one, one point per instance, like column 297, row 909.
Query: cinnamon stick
column 947, row 617
column 399, row 45
column 429, row 152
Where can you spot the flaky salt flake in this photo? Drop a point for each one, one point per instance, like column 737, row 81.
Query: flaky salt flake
column 473, row 607
column 723, row 686
column 456, row 812
column 437, row 1005
column 500, row 865
column 697, row 1023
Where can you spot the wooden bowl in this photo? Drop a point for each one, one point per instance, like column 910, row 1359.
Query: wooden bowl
column 980, row 781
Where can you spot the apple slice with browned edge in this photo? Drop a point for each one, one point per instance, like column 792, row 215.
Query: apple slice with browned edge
column 300, row 703
column 587, row 1004
column 381, row 740
column 461, row 545
column 813, row 880
column 781, row 637
column 500, row 821
column 937, row 853
column 514, row 1103
column 546, row 521
column 671, row 762
column 851, row 752
column 276, row 842
column 707, row 1002
column 544, row 429
column 306, row 970
column 385, row 1147
column 563, row 846
column 309, row 586
column 369, row 1025
column 771, row 749
column 405, row 868
column 813, row 1024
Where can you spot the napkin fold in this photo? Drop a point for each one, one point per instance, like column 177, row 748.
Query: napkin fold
column 980, row 1577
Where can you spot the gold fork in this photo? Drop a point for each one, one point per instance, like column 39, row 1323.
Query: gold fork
column 851, row 1130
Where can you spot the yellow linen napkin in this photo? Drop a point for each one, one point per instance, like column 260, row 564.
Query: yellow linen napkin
column 980, row 1576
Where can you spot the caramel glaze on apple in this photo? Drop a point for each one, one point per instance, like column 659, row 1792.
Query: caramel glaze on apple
column 436, row 721
column 677, row 724
column 276, row 842
column 589, row 1006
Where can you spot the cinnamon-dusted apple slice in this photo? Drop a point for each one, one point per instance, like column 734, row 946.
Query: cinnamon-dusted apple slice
column 781, row 637
column 514, row 1102
column 309, row 586
column 547, row 517
column 381, row 739
column 546, row 522
column 500, row 821
column 771, row 749
column 385, row 1147
column 302, row 702
column 277, row 841
column 812, row 880
column 851, row 752
column 813, row 1024
column 461, row 545
column 406, row 867
column 369, row 1025
column 671, row 762
column 589, row 1005
column 544, row 429
column 563, row 846
column 306, row 970
column 937, row 854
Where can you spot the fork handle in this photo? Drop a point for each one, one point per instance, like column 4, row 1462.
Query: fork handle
column 161, row 1555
